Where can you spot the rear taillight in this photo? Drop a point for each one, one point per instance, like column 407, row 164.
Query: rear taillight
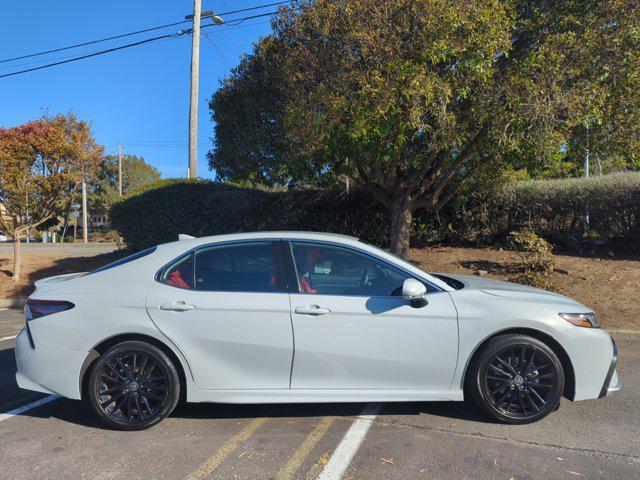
column 41, row 308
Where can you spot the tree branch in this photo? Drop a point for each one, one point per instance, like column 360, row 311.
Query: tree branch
column 456, row 165
column 376, row 190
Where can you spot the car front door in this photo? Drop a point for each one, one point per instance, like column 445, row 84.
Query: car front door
column 226, row 306
column 353, row 329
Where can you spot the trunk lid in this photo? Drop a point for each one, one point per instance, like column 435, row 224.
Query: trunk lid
column 50, row 283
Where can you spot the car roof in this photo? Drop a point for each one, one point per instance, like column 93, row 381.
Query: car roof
column 269, row 234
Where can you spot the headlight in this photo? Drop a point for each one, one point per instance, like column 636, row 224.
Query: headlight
column 581, row 319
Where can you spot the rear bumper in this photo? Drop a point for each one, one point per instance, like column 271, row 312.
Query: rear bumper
column 48, row 370
column 612, row 381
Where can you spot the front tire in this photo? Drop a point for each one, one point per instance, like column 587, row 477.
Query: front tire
column 516, row 379
column 133, row 386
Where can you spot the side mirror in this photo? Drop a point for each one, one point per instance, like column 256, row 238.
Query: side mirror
column 415, row 292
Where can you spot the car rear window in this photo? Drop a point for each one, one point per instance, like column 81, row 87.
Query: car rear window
column 124, row 260
column 179, row 273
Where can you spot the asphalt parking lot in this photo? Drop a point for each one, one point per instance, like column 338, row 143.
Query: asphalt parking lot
column 61, row 439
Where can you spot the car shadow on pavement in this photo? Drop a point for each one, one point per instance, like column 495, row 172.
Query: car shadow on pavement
column 454, row 410
column 11, row 396
column 80, row 412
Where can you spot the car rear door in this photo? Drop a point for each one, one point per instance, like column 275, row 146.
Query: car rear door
column 353, row 329
column 227, row 308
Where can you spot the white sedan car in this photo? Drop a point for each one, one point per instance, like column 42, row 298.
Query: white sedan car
column 288, row 317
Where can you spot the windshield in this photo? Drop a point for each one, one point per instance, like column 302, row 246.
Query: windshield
column 397, row 257
column 452, row 282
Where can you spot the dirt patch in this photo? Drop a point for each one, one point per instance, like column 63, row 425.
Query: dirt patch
column 611, row 286
column 41, row 265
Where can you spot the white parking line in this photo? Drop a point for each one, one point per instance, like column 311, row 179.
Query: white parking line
column 27, row 407
column 346, row 450
column 10, row 337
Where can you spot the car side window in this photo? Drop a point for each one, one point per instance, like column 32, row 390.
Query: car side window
column 179, row 273
column 334, row 270
column 244, row 267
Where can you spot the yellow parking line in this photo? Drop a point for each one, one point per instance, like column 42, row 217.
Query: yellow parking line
column 224, row 451
column 303, row 451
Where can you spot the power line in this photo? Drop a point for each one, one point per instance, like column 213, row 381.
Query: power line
column 236, row 21
column 258, row 7
column 89, row 55
column 218, row 50
column 45, row 60
column 137, row 32
column 106, row 39
column 219, row 32
column 241, row 30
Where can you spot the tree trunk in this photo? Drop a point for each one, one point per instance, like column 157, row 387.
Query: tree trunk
column 17, row 259
column 401, row 216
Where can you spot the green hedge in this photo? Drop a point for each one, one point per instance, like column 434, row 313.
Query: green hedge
column 159, row 211
column 554, row 209
column 557, row 209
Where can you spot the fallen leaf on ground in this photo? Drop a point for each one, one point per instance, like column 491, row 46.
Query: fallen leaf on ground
column 322, row 461
column 574, row 473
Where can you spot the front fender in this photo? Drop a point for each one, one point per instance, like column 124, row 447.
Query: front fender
column 482, row 316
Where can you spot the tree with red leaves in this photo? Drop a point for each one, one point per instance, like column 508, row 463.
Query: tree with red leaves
column 42, row 163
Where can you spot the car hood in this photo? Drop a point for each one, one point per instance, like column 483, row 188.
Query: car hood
column 515, row 291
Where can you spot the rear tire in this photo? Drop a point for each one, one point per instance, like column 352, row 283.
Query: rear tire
column 516, row 379
column 133, row 386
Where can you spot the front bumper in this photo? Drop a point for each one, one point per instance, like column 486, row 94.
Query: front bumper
column 612, row 381
column 48, row 370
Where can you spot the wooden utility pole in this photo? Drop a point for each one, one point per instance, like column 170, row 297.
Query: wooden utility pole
column 192, row 172
column 120, row 170
column 85, row 233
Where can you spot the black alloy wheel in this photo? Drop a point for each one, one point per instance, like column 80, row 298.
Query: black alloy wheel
column 133, row 386
column 517, row 379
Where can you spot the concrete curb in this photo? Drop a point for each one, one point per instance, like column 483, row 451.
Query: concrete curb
column 12, row 302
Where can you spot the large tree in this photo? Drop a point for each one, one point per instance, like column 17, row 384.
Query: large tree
column 42, row 163
column 414, row 99
column 135, row 173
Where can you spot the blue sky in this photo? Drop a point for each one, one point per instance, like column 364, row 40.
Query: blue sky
column 138, row 96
